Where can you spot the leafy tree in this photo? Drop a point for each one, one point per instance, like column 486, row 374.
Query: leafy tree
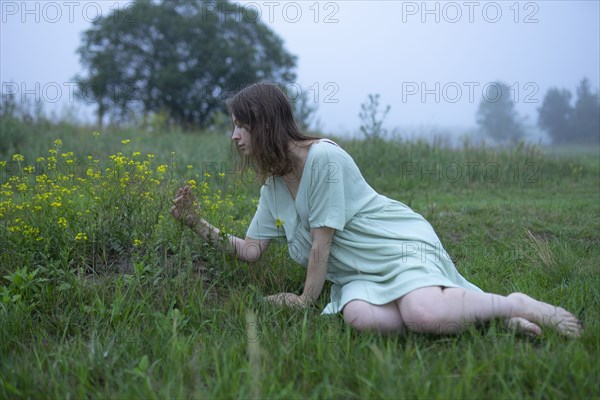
column 565, row 123
column 178, row 56
column 554, row 116
column 586, row 115
column 497, row 117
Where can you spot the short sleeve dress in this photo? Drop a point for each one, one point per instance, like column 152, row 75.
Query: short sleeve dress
column 381, row 249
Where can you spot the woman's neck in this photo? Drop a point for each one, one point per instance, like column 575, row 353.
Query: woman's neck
column 298, row 152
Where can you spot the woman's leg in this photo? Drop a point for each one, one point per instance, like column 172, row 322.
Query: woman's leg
column 386, row 318
column 451, row 310
column 365, row 316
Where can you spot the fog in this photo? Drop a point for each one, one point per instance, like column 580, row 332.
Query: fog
column 431, row 62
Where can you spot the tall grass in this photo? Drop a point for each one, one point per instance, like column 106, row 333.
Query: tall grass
column 104, row 295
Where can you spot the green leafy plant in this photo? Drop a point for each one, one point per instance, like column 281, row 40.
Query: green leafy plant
column 23, row 289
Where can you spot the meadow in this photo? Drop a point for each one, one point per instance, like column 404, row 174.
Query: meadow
column 104, row 295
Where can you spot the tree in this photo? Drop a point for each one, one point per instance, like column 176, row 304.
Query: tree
column 372, row 118
column 496, row 115
column 554, row 116
column 567, row 124
column 586, row 115
column 178, row 56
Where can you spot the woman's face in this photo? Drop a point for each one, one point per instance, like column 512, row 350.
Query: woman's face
column 241, row 137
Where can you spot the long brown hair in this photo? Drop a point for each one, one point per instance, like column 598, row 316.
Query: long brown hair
column 265, row 111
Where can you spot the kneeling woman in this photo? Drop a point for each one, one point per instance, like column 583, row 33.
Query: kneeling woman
column 388, row 269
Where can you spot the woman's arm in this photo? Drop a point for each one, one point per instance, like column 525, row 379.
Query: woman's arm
column 246, row 249
column 317, row 263
column 315, row 273
column 186, row 209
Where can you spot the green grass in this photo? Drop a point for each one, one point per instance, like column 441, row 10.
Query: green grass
column 143, row 309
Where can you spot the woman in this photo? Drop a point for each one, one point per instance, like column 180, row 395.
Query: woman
column 388, row 269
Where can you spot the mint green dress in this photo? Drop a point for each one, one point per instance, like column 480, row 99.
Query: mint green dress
column 381, row 249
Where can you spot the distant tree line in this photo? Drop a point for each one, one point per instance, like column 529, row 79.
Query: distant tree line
column 177, row 59
column 564, row 123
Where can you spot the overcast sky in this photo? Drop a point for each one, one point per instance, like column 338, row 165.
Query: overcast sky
column 430, row 61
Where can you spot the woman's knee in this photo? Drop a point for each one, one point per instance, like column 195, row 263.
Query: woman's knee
column 423, row 310
column 354, row 313
column 365, row 316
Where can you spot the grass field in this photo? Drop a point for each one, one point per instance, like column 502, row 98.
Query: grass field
column 104, row 295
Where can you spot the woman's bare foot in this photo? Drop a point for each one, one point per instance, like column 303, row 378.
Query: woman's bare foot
column 546, row 315
column 523, row 326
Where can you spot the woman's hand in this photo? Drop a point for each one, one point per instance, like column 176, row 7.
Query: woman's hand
column 185, row 207
column 287, row 299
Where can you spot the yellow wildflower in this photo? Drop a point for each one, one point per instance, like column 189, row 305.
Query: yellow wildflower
column 81, row 236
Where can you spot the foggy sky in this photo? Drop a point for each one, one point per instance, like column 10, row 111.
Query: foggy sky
column 430, row 61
